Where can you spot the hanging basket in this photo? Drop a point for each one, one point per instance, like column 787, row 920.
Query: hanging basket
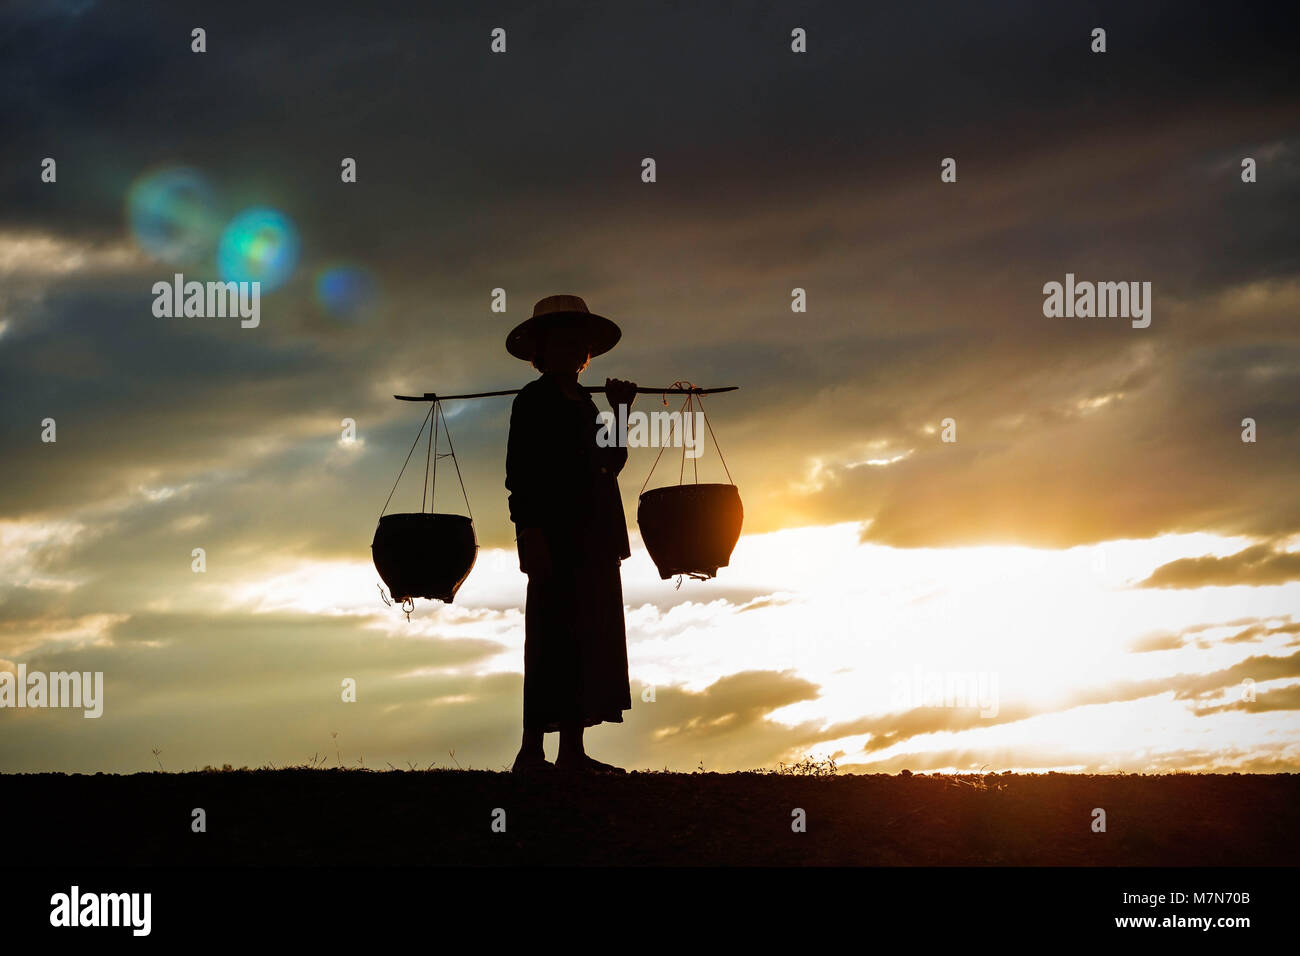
column 424, row 555
column 690, row 529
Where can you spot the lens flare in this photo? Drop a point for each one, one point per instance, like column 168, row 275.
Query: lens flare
column 174, row 215
column 259, row 245
column 346, row 292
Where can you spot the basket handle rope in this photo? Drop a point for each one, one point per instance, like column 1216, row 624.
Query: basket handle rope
column 451, row 453
column 418, row 436
column 430, row 459
column 688, row 407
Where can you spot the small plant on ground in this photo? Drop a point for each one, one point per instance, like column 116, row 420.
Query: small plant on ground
column 808, row 767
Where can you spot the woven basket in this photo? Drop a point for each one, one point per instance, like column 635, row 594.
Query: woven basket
column 424, row 555
column 690, row 529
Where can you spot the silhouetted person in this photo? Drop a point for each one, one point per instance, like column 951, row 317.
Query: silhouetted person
column 571, row 535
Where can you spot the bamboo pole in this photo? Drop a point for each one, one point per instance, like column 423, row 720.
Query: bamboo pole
column 640, row 390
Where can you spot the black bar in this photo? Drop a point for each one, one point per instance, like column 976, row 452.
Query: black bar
column 949, row 904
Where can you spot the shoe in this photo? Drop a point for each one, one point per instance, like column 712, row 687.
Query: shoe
column 532, row 765
column 586, row 764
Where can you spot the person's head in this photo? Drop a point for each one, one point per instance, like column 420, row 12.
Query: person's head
column 565, row 349
column 562, row 335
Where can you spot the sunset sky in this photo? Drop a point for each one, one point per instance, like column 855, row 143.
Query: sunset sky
column 1099, row 547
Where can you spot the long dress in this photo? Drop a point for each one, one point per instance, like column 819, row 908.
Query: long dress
column 563, row 483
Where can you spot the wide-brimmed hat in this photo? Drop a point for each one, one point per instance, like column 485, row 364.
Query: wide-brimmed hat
column 559, row 311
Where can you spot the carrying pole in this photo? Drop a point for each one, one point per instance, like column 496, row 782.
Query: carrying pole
column 640, row 390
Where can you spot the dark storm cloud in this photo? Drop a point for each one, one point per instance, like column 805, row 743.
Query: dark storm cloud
column 521, row 171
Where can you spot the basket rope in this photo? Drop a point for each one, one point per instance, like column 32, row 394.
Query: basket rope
column 688, row 407
column 431, row 461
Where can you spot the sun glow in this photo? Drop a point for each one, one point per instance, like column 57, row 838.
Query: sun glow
column 1051, row 644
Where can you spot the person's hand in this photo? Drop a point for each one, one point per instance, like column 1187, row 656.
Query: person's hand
column 620, row 392
column 534, row 553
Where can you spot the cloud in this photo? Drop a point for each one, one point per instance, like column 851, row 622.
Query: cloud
column 922, row 308
column 1157, row 642
column 731, row 704
column 725, row 725
column 44, row 255
column 1255, row 629
column 1259, row 565
column 1041, row 758
column 257, row 689
column 1281, row 698
column 890, row 729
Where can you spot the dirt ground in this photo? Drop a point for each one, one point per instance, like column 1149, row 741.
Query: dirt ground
column 453, row 817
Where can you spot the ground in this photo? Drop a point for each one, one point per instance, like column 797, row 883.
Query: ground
column 314, row 816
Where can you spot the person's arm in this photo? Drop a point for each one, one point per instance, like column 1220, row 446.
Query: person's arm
column 524, row 482
column 534, row 552
column 621, row 395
